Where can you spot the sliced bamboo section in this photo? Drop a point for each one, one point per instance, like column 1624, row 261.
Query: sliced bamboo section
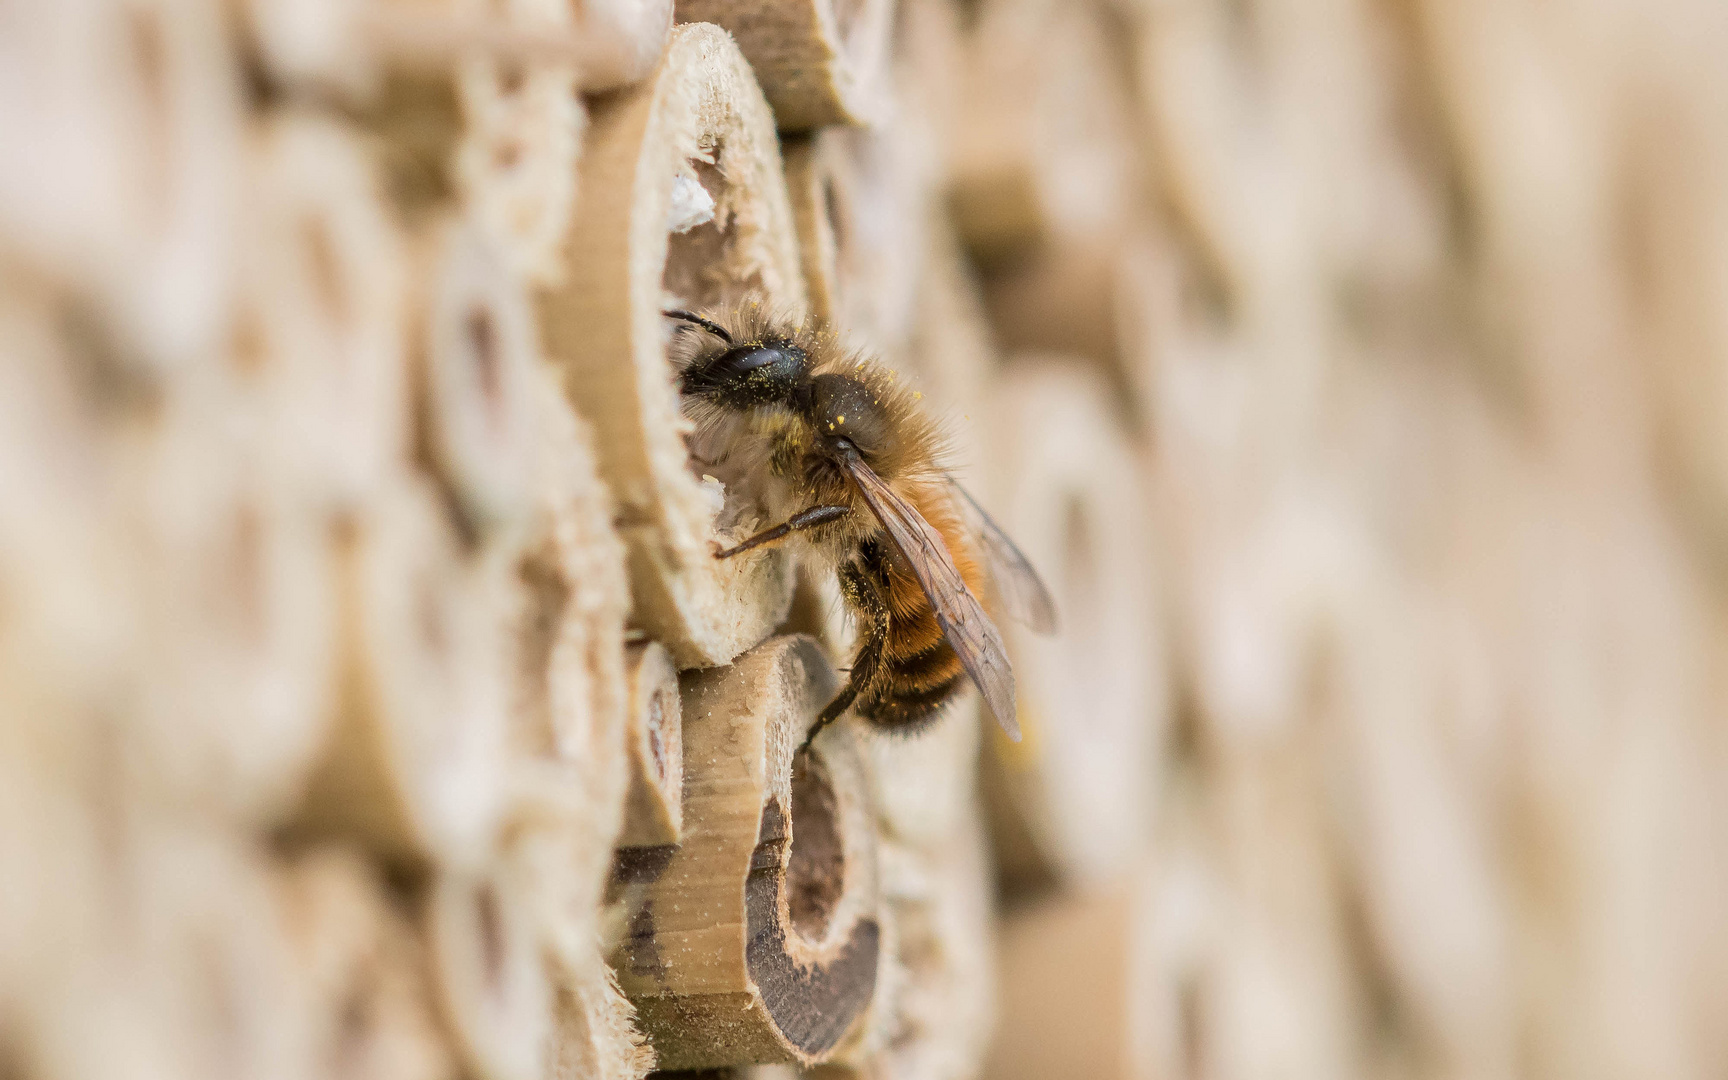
column 623, row 40
column 1217, row 153
column 69, row 649
column 682, row 201
column 1088, row 694
column 122, row 183
column 363, row 969
column 860, row 204
column 490, row 974
column 1073, row 297
column 1041, row 949
column 206, row 955
column 941, row 1011
column 594, row 1034
column 415, row 766
column 952, row 351
column 238, row 680
column 351, row 47
column 515, row 165
column 570, row 576
column 477, row 355
column 1045, row 145
column 819, row 185
column 759, row 940
column 819, row 62
column 654, row 740
column 184, row 969
column 324, row 308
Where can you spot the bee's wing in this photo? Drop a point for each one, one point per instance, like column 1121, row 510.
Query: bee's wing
column 1022, row 592
column 975, row 639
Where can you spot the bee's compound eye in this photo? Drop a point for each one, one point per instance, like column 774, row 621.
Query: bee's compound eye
column 748, row 358
column 746, row 375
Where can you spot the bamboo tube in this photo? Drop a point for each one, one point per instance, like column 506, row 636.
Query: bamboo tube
column 68, row 640
column 698, row 127
column 313, row 43
column 324, row 308
column 515, row 164
column 569, row 774
column 1092, row 698
column 859, row 202
column 569, row 769
column 183, row 965
column 595, row 1034
column 953, row 353
column 363, row 969
column 559, row 859
column 1045, row 147
column 414, row 768
column 490, row 973
column 819, row 185
column 941, row 1009
column 819, row 63
column 180, row 965
column 1087, row 298
column 238, row 668
column 930, row 62
column 125, row 181
column 350, row 47
column 570, row 689
column 183, row 968
column 477, row 354
column 759, row 941
column 654, row 812
column 212, row 958
column 624, row 40
column 1067, row 984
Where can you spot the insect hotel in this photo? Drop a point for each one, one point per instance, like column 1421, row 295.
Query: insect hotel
column 420, row 629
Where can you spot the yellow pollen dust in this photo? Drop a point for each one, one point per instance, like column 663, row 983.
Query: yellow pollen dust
column 842, row 419
column 917, row 395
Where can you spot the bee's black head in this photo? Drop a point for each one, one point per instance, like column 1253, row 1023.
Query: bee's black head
column 748, row 375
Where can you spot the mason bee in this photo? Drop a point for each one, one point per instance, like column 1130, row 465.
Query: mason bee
column 845, row 458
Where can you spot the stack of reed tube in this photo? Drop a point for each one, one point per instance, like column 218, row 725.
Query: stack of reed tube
column 373, row 705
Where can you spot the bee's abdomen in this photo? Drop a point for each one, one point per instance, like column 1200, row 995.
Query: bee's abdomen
column 911, row 671
column 908, row 693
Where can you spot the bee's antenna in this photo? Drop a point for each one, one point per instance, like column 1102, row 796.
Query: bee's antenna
column 707, row 324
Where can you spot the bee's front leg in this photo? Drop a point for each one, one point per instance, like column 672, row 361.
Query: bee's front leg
column 803, row 519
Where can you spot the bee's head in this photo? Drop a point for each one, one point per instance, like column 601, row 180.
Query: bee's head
column 748, row 375
column 840, row 407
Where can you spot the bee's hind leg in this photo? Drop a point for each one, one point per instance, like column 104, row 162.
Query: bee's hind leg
column 873, row 622
column 836, row 708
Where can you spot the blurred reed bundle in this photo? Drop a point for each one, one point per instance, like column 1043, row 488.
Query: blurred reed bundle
column 371, row 704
